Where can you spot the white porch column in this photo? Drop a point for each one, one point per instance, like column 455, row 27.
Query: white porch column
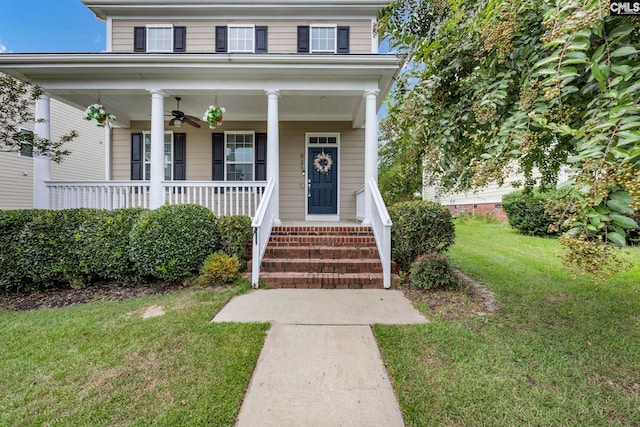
column 273, row 148
column 107, row 153
column 42, row 164
column 370, row 149
column 156, row 198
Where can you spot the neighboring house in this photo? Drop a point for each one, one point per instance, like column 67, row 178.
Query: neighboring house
column 482, row 200
column 86, row 160
column 300, row 80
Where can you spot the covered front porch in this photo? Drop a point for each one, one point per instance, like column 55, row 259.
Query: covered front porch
column 282, row 115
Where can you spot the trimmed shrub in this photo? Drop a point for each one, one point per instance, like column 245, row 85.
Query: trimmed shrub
column 235, row 235
column 219, row 269
column 419, row 227
column 527, row 212
column 12, row 276
column 111, row 245
column 432, row 271
column 173, row 241
column 57, row 246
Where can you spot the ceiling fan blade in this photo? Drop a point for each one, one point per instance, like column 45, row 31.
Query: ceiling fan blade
column 195, row 119
column 187, row 119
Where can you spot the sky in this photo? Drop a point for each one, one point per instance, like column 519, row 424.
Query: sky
column 49, row 26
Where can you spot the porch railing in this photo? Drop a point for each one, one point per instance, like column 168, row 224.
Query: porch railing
column 222, row 198
column 381, row 226
column 262, row 224
column 360, row 204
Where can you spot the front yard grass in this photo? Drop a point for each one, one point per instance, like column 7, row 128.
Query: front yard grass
column 561, row 351
column 102, row 363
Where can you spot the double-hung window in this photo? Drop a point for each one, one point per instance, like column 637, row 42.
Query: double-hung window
column 159, row 38
column 26, row 150
column 239, row 152
column 323, row 39
column 168, row 156
column 241, row 38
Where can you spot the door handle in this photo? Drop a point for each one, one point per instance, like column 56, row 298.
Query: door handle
column 309, row 189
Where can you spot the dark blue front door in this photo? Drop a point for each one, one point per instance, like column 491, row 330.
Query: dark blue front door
column 322, row 189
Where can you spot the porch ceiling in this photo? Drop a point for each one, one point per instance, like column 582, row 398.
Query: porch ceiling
column 311, row 87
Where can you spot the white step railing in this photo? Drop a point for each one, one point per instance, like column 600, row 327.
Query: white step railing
column 381, row 226
column 222, row 198
column 262, row 224
column 360, row 204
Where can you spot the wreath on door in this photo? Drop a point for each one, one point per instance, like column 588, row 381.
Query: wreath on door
column 323, row 162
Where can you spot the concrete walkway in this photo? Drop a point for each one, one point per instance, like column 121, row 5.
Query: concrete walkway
column 320, row 365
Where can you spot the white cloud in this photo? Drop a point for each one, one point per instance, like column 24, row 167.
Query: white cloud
column 3, row 48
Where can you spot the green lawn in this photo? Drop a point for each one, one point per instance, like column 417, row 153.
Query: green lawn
column 103, row 364
column 561, row 351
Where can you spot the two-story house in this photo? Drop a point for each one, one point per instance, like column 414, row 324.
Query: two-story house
column 301, row 82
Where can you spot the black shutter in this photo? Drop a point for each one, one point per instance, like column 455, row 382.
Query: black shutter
column 221, row 39
column 261, row 157
column 139, row 39
column 137, row 157
column 261, row 39
column 179, row 39
column 343, row 39
column 179, row 156
column 218, row 157
column 303, row 39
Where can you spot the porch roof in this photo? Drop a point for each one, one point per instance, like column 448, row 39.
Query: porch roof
column 313, row 87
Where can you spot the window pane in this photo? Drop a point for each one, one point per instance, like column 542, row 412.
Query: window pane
column 241, row 39
column 159, row 39
column 147, row 171
column 323, row 39
column 167, row 171
column 240, row 172
column 147, row 147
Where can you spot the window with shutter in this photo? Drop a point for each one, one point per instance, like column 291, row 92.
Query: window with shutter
column 141, row 155
column 239, row 156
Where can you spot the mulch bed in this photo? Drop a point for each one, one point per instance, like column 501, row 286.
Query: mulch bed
column 62, row 297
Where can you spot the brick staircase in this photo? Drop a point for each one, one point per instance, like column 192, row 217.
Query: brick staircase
column 342, row 257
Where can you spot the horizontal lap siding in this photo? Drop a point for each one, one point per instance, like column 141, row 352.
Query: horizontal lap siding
column 86, row 161
column 282, row 34
column 292, row 146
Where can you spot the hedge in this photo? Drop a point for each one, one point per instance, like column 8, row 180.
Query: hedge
column 419, row 227
column 173, row 241
column 41, row 248
column 527, row 211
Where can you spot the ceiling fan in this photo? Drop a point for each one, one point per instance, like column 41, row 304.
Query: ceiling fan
column 179, row 117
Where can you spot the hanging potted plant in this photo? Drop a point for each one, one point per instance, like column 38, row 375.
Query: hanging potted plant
column 213, row 116
column 99, row 114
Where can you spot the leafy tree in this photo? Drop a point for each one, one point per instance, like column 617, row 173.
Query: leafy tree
column 16, row 110
column 493, row 86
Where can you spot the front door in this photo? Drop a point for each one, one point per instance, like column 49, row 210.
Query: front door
column 322, row 181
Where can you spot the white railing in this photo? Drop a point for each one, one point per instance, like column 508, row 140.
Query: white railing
column 262, row 224
column 360, row 204
column 222, row 198
column 98, row 194
column 381, row 226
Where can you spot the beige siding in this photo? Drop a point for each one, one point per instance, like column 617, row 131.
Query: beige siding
column 292, row 152
column 86, row 161
column 282, row 33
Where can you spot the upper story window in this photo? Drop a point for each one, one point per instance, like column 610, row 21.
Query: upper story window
column 323, row 39
column 159, row 38
column 241, row 39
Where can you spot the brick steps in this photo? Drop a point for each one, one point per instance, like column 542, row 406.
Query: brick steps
column 343, row 257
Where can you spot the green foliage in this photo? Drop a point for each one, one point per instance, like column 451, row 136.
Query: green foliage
column 235, row 235
column 219, row 269
column 173, row 241
column 493, row 87
column 12, row 276
column 419, row 227
column 432, row 271
column 486, row 217
column 56, row 246
column 17, row 100
column 527, row 212
column 110, row 248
